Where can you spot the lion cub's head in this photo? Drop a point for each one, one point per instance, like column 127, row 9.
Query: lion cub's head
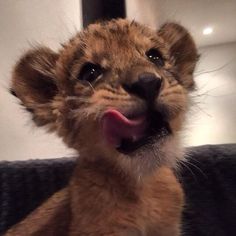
column 117, row 90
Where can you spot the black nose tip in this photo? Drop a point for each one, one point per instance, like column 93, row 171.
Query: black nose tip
column 147, row 86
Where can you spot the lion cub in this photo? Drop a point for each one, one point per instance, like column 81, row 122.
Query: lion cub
column 117, row 92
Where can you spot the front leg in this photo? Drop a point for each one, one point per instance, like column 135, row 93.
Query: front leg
column 49, row 219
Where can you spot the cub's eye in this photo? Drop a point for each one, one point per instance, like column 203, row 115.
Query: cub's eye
column 155, row 57
column 90, row 72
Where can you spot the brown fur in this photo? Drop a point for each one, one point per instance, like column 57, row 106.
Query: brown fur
column 109, row 193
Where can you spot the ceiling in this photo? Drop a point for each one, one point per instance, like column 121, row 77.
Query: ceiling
column 193, row 14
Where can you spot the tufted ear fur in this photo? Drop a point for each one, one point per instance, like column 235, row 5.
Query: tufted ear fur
column 34, row 83
column 182, row 50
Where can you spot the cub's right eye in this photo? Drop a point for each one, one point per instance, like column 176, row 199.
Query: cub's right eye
column 90, row 72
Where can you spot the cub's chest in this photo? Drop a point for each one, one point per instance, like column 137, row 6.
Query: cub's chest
column 156, row 210
column 162, row 203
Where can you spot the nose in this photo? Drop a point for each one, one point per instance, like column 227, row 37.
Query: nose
column 146, row 87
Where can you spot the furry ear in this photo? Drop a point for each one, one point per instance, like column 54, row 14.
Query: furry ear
column 182, row 50
column 34, row 83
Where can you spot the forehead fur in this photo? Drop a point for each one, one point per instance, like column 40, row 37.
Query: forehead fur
column 112, row 40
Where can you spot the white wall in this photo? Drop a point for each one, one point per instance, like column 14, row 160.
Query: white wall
column 23, row 23
column 213, row 117
column 194, row 15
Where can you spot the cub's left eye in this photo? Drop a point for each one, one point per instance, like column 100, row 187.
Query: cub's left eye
column 90, row 72
column 155, row 57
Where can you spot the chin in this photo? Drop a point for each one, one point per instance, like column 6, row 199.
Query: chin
column 148, row 158
column 143, row 141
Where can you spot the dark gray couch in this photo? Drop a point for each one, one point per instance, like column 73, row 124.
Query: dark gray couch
column 209, row 181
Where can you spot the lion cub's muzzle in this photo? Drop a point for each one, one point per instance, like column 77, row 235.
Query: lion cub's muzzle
column 128, row 132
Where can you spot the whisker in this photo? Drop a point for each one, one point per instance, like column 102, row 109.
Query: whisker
column 183, row 163
column 91, row 86
column 167, row 93
column 83, row 100
column 113, row 91
column 214, row 70
column 197, row 168
column 202, row 110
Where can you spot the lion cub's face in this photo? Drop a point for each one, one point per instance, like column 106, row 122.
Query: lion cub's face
column 118, row 89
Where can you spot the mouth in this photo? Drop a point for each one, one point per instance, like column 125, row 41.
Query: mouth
column 129, row 133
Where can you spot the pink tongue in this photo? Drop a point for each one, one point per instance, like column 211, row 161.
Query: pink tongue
column 116, row 127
